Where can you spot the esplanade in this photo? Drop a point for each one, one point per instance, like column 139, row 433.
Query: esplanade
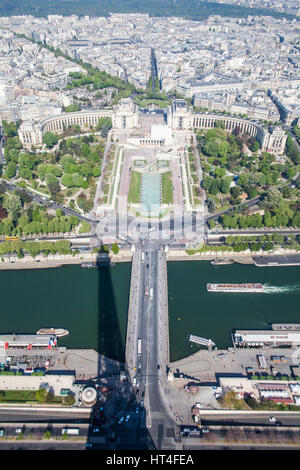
column 127, row 116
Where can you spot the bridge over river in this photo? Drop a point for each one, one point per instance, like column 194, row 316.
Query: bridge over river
column 147, row 343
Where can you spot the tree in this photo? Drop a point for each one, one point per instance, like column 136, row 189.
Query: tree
column 50, row 139
column 3, row 212
column 12, row 203
column 115, row 248
column 72, row 108
column 67, row 180
column 235, row 192
column 85, row 150
column 10, row 170
column 214, row 189
column 211, row 205
column 292, row 150
column 272, row 200
column 9, row 129
column 41, row 394
column 225, row 185
column 85, row 227
column 104, row 122
column 96, row 171
column 254, row 146
column 52, row 183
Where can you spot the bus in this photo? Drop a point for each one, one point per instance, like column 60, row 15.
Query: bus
column 139, row 345
column 70, row 431
column 151, row 294
column 11, row 238
column 261, row 362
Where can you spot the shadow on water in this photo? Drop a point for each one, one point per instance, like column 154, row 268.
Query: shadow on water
column 116, row 396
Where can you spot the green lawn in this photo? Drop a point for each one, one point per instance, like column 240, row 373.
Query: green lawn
column 167, row 188
column 134, row 187
column 29, row 396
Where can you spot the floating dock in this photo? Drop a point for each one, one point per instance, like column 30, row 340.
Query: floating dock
column 27, row 341
column 202, row 341
column 260, row 338
column 285, row 326
column 89, row 264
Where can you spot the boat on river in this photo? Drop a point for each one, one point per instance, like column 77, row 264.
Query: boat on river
column 249, row 287
column 53, row 331
column 217, row 262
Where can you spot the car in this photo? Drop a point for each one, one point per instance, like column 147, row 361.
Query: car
column 272, row 419
column 96, row 430
column 121, row 420
column 18, row 431
column 88, row 444
column 127, row 418
column 137, row 409
column 205, row 430
column 158, row 366
column 278, row 423
column 142, row 403
column 1, row 432
column 159, row 381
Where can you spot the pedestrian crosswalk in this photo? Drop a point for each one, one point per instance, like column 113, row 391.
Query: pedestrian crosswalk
column 147, row 408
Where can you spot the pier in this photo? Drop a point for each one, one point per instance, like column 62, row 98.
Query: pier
column 203, row 341
column 285, row 326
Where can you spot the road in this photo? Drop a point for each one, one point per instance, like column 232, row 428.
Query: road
column 252, row 418
column 152, row 359
column 11, row 414
column 99, row 184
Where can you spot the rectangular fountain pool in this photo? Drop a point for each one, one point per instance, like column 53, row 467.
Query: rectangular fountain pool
column 150, row 200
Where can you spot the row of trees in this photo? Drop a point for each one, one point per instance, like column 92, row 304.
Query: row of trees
column 241, row 243
column 279, row 217
column 262, row 242
column 20, row 248
column 18, row 216
column 292, row 150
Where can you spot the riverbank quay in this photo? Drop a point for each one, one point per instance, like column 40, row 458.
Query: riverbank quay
column 182, row 255
column 57, row 261
column 276, row 258
column 87, row 364
column 205, row 371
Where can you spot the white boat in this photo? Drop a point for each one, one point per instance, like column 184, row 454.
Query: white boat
column 53, row 331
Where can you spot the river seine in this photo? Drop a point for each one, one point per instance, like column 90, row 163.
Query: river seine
column 92, row 303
